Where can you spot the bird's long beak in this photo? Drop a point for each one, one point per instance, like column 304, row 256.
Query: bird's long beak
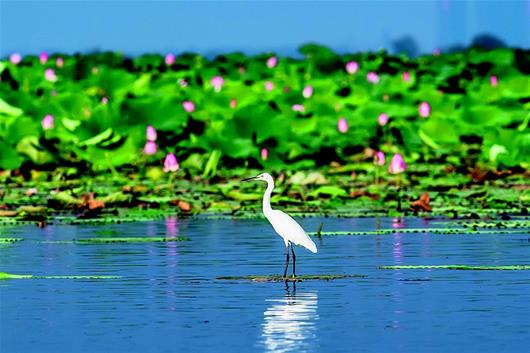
column 249, row 179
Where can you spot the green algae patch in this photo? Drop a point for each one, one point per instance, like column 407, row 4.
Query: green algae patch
column 457, row 267
column 108, row 240
column 446, row 231
column 77, row 277
column 9, row 240
column 276, row 278
column 5, row 276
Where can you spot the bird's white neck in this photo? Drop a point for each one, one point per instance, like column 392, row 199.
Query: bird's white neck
column 267, row 198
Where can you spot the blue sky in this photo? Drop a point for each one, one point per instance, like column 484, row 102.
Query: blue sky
column 210, row 27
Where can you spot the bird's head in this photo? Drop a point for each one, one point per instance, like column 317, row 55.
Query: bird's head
column 263, row 177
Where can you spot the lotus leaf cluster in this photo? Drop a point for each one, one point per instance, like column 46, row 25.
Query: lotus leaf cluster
column 91, row 111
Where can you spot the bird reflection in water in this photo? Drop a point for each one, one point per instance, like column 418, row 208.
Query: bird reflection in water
column 172, row 230
column 290, row 322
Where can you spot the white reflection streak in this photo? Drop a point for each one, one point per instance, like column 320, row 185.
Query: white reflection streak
column 397, row 250
column 172, row 230
column 290, row 322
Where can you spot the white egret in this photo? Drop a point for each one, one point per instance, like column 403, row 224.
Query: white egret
column 286, row 227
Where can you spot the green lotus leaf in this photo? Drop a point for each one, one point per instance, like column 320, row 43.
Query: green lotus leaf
column 9, row 157
column 30, row 147
column 435, row 132
column 9, row 110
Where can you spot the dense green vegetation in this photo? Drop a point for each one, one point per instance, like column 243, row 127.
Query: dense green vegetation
column 73, row 131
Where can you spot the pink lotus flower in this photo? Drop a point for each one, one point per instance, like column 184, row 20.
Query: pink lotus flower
column 43, row 57
column 169, row 59
column 150, row 133
column 372, row 77
column 342, row 125
column 494, row 82
column 398, row 223
column 379, row 158
column 217, row 83
column 352, row 67
column 59, row 62
column 272, row 62
column 150, row 148
column 104, row 100
column 50, row 75
column 406, row 76
column 264, row 154
column 47, row 122
column 298, row 108
column 424, row 109
column 307, row 92
column 397, row 164
column 15, row 58
column 269, row 86
column 382, row 119
column 188, row 106
column 233, row 103
column 170, row 163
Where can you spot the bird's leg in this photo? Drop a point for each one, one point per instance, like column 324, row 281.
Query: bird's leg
column 286, row 262
column 294, row 262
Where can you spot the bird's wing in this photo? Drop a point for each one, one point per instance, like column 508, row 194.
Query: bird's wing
column 290, row 230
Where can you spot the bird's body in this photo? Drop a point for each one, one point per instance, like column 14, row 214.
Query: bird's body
column 290, row 230
column 286, row 227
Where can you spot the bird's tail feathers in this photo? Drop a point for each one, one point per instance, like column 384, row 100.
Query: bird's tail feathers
column 310, row 245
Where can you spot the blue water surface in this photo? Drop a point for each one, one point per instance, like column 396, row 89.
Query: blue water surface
column 168, row 299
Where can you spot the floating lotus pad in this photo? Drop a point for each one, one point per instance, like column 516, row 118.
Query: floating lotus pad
column 457, row 267
column 502, row 224
column 4, row 276
column 427, row 230
column 9, row 240
column 101, row 240
column 276, row 278
column 107, row 240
